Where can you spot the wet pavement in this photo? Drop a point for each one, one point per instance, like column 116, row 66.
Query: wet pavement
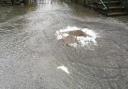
column 32, row 58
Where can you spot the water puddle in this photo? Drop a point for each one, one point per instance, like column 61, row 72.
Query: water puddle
column 74, row 36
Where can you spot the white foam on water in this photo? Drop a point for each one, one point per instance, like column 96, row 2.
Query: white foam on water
column 64, row 68
column 69, row 28
column 82, row 41
column 73, row 45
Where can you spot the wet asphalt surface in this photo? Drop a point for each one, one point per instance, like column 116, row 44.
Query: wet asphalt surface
column 30, row 53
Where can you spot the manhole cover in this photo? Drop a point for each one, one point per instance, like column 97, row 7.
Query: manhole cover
column 74, row 36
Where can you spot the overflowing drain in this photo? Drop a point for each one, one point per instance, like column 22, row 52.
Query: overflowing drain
column 74, row 36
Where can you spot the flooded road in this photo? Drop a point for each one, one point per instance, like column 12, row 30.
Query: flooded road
column 32, row 58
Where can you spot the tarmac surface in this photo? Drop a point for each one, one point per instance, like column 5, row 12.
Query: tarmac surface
column 32, row 58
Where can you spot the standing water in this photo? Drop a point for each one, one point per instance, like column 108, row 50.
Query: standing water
column 32, row 58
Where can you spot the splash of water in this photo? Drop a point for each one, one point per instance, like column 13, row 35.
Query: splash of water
column 64, row 68
column 87, row 37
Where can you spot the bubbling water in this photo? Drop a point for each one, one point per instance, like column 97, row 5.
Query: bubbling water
column 74, row 36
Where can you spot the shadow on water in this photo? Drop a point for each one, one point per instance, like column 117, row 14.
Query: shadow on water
column 8, row 12
column 13, row 19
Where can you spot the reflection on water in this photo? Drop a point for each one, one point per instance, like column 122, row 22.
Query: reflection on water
column 64, row 68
